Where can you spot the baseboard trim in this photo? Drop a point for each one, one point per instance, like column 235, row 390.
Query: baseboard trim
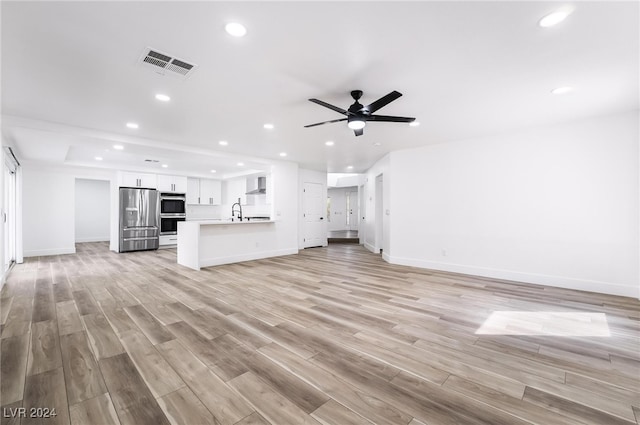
column 370, row 247
column 51, row 251
column 3, row 279
column 96, row 239
column 208, row 262
column 534, row 278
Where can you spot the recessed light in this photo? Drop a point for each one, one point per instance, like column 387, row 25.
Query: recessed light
column 268, row 126
column 414, row 124
column 240, row 164
column 98, row 158
column 133, row 125
column 213, row 171
column 555, row 18
column 329, row 143
column 235, row 29
column 118, row 147
column 162, row 97
column 350, row 167
column 223, row 143
column 164, row 165
column 283, row 154
column 562, row 90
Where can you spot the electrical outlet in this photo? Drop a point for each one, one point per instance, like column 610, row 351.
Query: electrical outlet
column 444, row 252
column 257, row 244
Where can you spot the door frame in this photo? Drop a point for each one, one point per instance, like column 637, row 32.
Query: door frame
column 379, row 214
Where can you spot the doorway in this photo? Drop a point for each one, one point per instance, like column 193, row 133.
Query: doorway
column 92, row 210
column 342, row 210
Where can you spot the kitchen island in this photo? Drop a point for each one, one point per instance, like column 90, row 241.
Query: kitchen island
column 204, row 243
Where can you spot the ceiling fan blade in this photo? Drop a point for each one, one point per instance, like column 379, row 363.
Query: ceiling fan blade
column 383, row 101
column 359, row 132
column 325, row 122
column 328, row 105
column 388, row 118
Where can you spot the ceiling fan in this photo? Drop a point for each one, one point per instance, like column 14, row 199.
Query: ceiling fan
column 358, row 115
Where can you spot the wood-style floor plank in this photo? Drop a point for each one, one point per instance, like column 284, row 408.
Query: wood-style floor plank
column 103, row 340
column 97, row 410
column 131, row 398
column 333, row 412
column 182, row 407
column 46, row 391
column 269, row 403
column 68, row 318
column 82, row 375
column 226, row 405
column 156, row 372
column 13, row 361
column 332, row 335
column 44, row 350
column 11, row 414
column 150, row 326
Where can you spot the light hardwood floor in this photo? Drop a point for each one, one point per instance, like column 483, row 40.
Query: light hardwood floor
column 330, row 336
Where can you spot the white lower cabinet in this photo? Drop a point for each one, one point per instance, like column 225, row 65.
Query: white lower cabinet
column 168, row 240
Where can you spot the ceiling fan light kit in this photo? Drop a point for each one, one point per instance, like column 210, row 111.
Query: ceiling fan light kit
column 358, row 115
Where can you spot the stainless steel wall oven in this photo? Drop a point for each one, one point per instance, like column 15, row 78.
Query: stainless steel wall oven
column 172, row 211
column 173, row 203
column 169, row 225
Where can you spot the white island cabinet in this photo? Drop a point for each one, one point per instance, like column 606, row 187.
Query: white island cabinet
column 213, row 242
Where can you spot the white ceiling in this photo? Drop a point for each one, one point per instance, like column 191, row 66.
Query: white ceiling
column 71, row 78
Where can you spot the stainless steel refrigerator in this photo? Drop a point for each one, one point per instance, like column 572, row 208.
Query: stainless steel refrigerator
column 138, row 219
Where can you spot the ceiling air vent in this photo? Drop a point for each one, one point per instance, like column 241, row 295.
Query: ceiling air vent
column 164, row 64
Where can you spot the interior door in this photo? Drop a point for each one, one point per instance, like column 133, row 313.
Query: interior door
column 314, row 207
column 352, row 210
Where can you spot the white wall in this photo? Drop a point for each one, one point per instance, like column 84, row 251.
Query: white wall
column 556, row 205
column 310, row 176
column 48, row 212
column 285, row 200
column 92, row 210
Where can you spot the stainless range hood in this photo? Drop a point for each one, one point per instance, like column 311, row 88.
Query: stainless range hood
column 262, row 187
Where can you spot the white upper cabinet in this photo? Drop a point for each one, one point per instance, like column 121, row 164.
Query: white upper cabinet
column 210, row 192
column 204, row 192
column 173, row 184
column 193, row 191
column 141, row 180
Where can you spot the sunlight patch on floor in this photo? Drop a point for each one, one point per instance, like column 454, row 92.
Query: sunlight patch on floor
column 548, row 323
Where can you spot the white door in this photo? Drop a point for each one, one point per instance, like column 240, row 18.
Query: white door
column 352, row 211
column 313, row 207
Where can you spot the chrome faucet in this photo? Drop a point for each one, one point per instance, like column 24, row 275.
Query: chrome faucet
column 233, row 210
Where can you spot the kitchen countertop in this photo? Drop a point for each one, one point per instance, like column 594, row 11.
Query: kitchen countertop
column 226, row 222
